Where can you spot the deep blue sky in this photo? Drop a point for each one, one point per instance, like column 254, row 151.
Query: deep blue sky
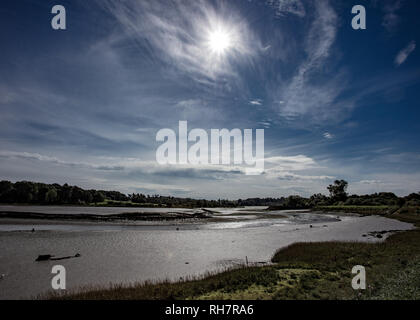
column 83, row 105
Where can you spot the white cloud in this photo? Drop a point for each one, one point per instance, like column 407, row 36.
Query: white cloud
column 279, row 167
column 300, row 177
column 284, row 7
column 298, row 174
column 265, row 124
column 328, row 135
column 125, row 163
column 57, row 161
column 404, row 53
column 293, row 169
column 179, row 35
column 303, row 95
column 256, row 102
column 145, row 130
column 370, row 182
column 291, row 163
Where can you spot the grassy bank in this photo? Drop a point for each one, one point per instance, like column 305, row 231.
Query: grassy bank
column 366, row 210
column 300, row 271
column 409, row 214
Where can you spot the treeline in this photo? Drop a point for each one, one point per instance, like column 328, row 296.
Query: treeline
column 320, row 200
column 25, row 192
column 338, row 196
column 179, row 202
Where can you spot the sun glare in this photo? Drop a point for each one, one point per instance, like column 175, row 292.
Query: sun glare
column 219, row 41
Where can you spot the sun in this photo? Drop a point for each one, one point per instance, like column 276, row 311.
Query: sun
column 219, row 41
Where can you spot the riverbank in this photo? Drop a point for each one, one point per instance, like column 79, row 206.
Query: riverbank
column 316, row 270
column 301, row 271
column 409, row 214
column 42, row 215
column 130, row 216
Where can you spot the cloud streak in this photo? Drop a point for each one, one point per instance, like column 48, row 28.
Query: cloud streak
column 284, row 7
column 404, row 53
column 305, row 97
column 177, row 32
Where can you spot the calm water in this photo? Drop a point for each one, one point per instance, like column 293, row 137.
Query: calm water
column 129, row 253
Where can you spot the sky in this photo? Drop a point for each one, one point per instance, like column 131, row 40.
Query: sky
column 83, row 105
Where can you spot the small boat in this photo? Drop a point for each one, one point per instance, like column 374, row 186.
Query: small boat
column 44, row 257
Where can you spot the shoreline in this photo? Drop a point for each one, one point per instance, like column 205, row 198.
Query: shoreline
column 120, row 217
column 301, row 270
column 162, row 217
column 346, row 231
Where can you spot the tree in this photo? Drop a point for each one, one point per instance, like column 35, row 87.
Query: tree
column 98, row 196
column 338, row 190
column 6, row 191
column 25, row 192
column 318, row 200
column 51, row 196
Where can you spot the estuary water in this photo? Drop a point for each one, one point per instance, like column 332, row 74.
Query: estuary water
column 126, row 253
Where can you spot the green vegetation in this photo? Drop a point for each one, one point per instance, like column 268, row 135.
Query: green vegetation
column 377, row 203
column 406, row 213
column 25, row 192
column 338, row 190
column 364, row 210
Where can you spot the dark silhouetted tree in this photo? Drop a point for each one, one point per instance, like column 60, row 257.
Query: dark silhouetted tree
column 338, row 190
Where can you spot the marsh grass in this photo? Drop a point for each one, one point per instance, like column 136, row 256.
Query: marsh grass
column 369, row 210
column 238, row 278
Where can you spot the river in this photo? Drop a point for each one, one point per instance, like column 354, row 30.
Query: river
column 129, row 252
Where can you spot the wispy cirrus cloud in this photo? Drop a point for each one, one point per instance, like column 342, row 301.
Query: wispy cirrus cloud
column 57, row 161
column 290, row 176
column 177, row 32
column 304, row 95
column 255, row 102
column 328, row 135
column 283, row 7
column 404, row 53
column 293, row 168
column 282, row 167
column 298, row 175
